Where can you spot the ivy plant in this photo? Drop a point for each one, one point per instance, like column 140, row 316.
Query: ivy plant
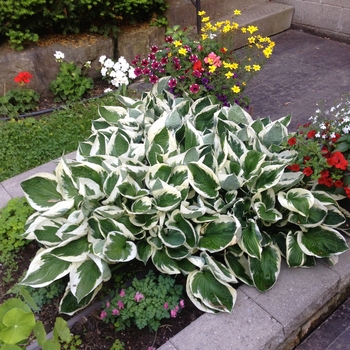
column 193, row 187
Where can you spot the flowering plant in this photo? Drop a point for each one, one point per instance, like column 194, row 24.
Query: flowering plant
column 71, row 83
column 323, row 147
column 16, row 101
column 205, row 65
column 145, row 303
column 117, row 73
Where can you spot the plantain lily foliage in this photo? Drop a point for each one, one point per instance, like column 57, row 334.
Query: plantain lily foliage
column 196, row 188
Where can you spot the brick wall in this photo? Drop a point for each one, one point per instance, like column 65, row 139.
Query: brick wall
column 329, row 18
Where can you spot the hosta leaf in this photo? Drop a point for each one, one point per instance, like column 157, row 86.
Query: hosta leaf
column 268, row 177
column 298, row 200
column 118, row 249
column 89, row 189
column 142, row 205
column 157, row 171
column 87, row 276
column 324, row 197
column 334, row 217
column 178, row 253
column 65, row 183
column 144, row 251
column 315, row 216
column 322, row 242
column 250, row 239
column 240, row 267
column 205, row 118
column 219, row 234
column 172, row 238
column 167, row 198
column 266, row 270
column 219, row 270
column 208, row 294
column 271, row 215
column 294, row 256
column 203, row 180
column 73, row 251
column 117, row 145
column 44, row 269
column 164, row 263
column 192, row 137
column 45, row 230
column 112, row 113
column 251, row 163
column 41, row 191
column 273, row 134
column 288, row 180
column 19, row 325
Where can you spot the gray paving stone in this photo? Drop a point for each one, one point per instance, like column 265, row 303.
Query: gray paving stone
column 249, row 327
column 4, row 197
column 297, row 295
column 167, row 346
column 13, row 185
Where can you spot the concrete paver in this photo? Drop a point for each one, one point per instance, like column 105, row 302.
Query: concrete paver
column 297, row 294
column 4, row 197
column 249, row 327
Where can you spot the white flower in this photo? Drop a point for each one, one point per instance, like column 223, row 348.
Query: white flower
column 131, row 73
column 346, row 129
column 59, row 56
column 87, row 64
column 106, row 91
column 102, row 59
column 323, row 126
column 212, row 36
column 103, row 71
column 108, row 63
column 317, row 134
column 332, row 135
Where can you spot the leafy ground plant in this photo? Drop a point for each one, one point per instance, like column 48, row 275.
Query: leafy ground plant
column 145, row 303
column 193, row 187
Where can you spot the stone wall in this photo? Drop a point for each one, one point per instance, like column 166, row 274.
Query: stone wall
column 329, row 18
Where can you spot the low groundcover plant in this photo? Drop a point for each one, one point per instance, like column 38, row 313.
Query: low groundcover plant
column 323, row 148
column 191, row 186
column 145, row 303
column 208, row 64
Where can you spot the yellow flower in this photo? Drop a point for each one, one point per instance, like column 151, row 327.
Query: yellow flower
column 177, row 43
column 256, row 67
column 248, row 68
column 204, row 36
column 229, row 75
column 236, row 89
column 183, row 51
column 201, row 13
column 244, row 30
column 234, row 25
column 252, row 29
column 212, row 69
column 226, row 29
column 234, row 65
column 244, row 83
column 205, row 19
column 267, row 52
column 236, row 12
column 251, row 40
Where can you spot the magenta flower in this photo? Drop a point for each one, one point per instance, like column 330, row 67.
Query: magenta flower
column 151, row 348
column 155, row 65
column 154, row 48
column 194, row 88
column 164, row 60
column 173, row 313
column 172, row 82
column 193, row 58
column 120, row 304
column 115, row 312
column 103, row 314
column 169, row 39
column 138, row 297
column 153, row 79
column 122, row 293
column 146, row 71
column 108, row 304
column 182, row 303
column 166, row 306
column 152, row 56
column 177, row 66
column 138, row 71
column 144, row 62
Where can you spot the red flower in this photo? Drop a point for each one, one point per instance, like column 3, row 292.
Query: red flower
column 292, row 141
column 223, row 50
column 23, row 78
column 338, row 183
column 197, row 65
column 337, row 160
column 347, row 191
column 306, row 158
column 295, row 167
column 311, row 134
column 328, row 182
column 335, row 139
column 324, row 174
column 308, row 171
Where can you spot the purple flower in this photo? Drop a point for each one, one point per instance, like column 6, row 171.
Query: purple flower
column 103, row 314
column 172, row 82
column 115, row 312
column 153, row 79
column 194, row 88
column 166, row 306
column 120, row 304
column 205, row 81
column 138, row 296
column 122, row 293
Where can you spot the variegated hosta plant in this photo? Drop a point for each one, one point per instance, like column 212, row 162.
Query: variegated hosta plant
column 196, row 188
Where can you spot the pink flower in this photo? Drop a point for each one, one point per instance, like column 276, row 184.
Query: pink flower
column 151, row 348
column 120, row 304
column 173, row 313
column 166, row 306
column 122, row 293
column 115, row 312
column 153, row 79
column 182, row 303
column 138, row 297
column 108, row 304
column 103, row 314
column 213, row 59
column 194, row 88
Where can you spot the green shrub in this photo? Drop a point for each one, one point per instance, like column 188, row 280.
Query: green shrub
column 25, row 20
